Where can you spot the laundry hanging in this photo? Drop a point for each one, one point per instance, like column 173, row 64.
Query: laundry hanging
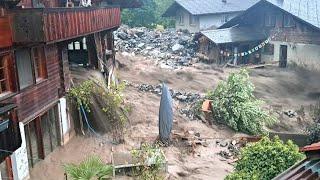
column 85, row 3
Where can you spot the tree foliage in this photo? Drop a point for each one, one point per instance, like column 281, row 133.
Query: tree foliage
column 82, row 94
column 313, row 130
column 265, row 159
column 235, row 105
column 89, row 169
column 111, row 102
column 152, row 159
column 149, row 15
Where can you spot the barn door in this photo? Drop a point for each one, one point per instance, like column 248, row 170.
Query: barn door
column 283, row 56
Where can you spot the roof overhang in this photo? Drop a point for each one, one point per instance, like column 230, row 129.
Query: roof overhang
column 234, row 21
column 172, row 10
column 240, row 17
column 234, row 35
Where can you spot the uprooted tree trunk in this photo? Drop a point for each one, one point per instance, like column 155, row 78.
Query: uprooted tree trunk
column 165, row 115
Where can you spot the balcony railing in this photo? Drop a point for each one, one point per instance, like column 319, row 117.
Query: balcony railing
column 9, row 2
column 5, row 32
column 59, row 24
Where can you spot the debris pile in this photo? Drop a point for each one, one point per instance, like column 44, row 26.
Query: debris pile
column 191, row 138
column 232, row 151
column 169, row 48
column 185, row 97
column 290, row 113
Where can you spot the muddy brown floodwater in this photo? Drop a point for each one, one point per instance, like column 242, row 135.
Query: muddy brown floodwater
column 282, row 89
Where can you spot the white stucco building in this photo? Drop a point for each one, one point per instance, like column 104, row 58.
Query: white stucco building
column 197, row 15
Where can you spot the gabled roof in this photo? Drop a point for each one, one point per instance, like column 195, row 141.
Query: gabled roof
column 233, row 34
column 201, row 7
column 307, row 11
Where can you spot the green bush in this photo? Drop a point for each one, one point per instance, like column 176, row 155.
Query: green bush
column 240, row 175
column 266, row 159
column 235, row 105
column 313, row 130
column 81, row 93
column 152, row 158
column 90, row 169
column 111, row 101
column 149, row 15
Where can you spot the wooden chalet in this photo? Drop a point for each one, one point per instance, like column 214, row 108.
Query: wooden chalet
column 291, row 30
column 38, row 41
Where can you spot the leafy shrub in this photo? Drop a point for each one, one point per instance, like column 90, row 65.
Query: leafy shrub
column 111, row 102
column 315, row 112
column 82, row 94
column 266, row 159
column 89, row 169
column 149, row 15
column 313, row 130
column 235, row 105
column 241, row 175
column 152, row 158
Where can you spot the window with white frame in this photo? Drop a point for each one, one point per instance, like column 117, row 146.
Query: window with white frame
column 270, row 20
column 225, row 18
column 193, row 19
column 181, row 18
column 288, row 21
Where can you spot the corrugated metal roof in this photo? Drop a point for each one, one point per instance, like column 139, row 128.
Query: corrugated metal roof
column 233, row 34
column 198, row 7
column 306, row 10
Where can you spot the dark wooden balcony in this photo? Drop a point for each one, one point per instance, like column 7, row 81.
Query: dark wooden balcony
column 50, row 25
column 9, row 2
column 5, row 32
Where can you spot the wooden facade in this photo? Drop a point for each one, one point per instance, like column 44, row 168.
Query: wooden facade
column 284, row 30
column 298, row 32
column 59, row 24
column 34, row 66
column 35, row 99
column 5, row 32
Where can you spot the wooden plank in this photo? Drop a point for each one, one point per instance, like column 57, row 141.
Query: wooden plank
column 5, row 32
